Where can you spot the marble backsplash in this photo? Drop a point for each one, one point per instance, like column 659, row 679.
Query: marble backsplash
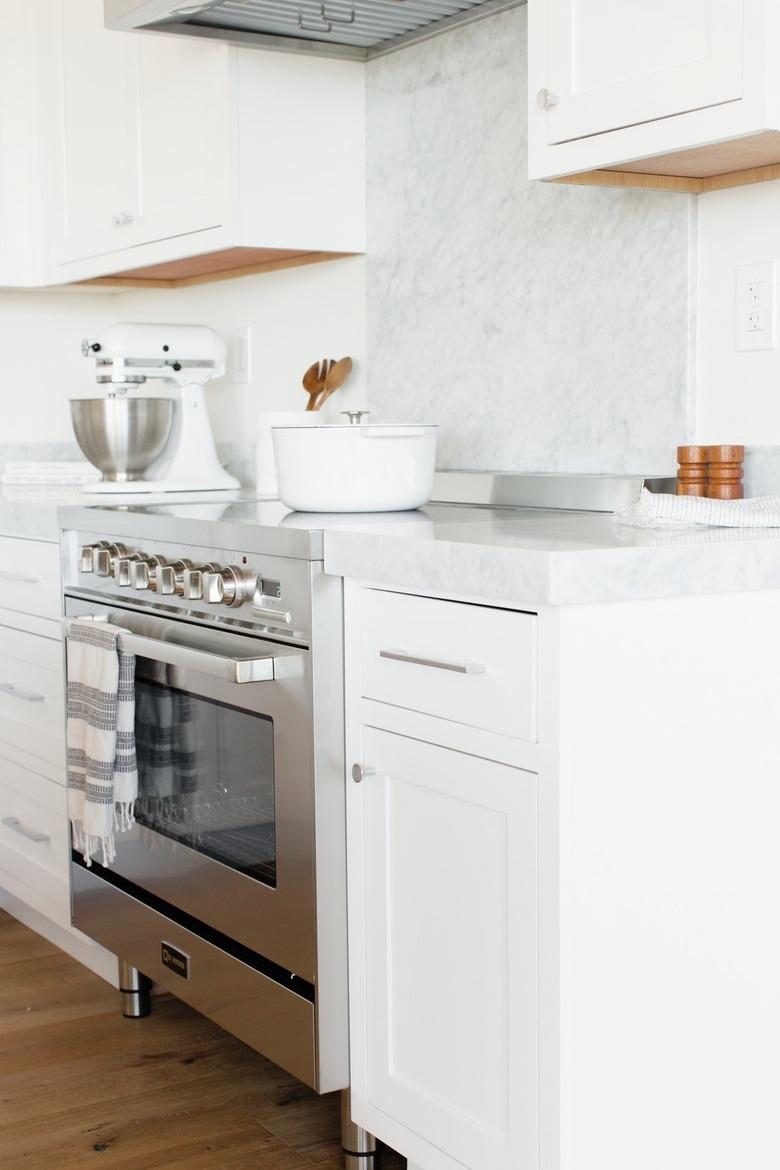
column 545, row 327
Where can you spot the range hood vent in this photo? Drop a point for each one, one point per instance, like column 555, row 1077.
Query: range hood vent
column 356, row 29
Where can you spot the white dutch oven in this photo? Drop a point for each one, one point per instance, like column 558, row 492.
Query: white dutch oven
column 355, row 468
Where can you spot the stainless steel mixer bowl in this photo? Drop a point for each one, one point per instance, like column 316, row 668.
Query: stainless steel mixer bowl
column 122, row 436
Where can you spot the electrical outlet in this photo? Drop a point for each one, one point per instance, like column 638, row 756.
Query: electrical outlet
column 755, row 307
column 242, row 356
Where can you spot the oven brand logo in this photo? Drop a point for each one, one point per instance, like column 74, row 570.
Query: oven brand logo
column 175, row 960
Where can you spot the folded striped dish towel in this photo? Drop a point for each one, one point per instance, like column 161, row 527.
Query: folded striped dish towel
column 102, row 771
column 666, row 511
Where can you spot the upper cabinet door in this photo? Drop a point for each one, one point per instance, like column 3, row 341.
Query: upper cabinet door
column 143, row 135
column 614, row 64
column 96, row 132
column 184, row 135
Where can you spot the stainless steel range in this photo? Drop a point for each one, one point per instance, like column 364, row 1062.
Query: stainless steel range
column 230, row 888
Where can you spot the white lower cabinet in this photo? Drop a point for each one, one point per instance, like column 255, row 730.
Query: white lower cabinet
column 443, row 928
column 34, row 826
column 443, row 932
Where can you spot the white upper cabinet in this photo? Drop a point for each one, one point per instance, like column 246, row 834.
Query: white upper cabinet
column 682, row 89
column 141, row 127
column 173, row 158
column 614, row 65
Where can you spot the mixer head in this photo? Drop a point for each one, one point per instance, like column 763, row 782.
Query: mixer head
column 127, row 354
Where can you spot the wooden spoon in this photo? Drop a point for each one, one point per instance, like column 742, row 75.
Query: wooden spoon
column 336, row 377
column 314, row 380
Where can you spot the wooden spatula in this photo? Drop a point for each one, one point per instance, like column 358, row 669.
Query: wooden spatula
column 336, row 376
column 314, row 380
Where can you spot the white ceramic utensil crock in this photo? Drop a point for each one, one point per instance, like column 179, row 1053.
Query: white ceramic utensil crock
column 362, row 468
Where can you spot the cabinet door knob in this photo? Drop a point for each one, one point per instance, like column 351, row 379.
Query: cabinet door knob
column 359, row 773
column 547, row 100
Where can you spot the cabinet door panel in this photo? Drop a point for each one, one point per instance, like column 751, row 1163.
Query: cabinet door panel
column 95, row 99
column 615, row 65
column 443, row 934
column 144, row 135
column 184, row 136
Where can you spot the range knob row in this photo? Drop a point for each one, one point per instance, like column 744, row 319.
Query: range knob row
column 229, row 586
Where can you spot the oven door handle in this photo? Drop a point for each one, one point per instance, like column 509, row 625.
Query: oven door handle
column 235, row 670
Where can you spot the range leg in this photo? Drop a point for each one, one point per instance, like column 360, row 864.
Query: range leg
column 359, row 1145
column 135, row 991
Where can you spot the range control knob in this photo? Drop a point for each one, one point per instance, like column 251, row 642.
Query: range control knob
column 123, row 569
column 145, row 573
column 87, row 555
column 229, row 586
column 105, row 558
column 194, row 580
column 170, row 578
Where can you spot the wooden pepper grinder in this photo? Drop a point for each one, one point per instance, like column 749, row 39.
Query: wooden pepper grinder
column 725, row 472
column 693, row 474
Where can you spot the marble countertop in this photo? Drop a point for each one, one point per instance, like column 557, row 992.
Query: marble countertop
column 529, row 557
column 506, row 556
column 34, row 514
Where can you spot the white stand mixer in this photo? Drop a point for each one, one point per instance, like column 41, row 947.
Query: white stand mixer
column 125, row 357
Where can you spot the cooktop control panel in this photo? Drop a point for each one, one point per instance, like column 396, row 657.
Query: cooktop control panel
column 233, row 587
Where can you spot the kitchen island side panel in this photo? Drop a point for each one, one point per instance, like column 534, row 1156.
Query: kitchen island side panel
column 669, row 810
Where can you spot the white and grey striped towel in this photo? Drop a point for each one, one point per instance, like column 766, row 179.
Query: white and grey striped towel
column 102, row 771
column 665, row 511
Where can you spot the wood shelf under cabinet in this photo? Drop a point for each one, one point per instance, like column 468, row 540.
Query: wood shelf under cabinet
column 224, row 264
column 754, row 158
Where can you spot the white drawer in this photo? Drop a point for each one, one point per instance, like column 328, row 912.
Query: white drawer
column 30, row 577
column 32, row 697
column 34, row 832
column 467, row 663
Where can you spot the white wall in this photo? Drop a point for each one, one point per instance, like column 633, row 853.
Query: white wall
column 738, row 393
column 297, row 316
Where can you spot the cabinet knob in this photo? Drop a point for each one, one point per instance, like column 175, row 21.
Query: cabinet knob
column 121, row 219
column 359, row 773
column 547, row 100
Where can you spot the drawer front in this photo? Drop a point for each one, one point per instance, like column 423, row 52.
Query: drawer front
column 466, row 663
column 32, row 700
column 30, row 577
column 34, row 842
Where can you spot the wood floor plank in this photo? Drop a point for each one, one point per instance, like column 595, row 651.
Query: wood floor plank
column 81, row 1086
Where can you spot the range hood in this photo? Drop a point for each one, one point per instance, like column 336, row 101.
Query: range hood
column 356, row 29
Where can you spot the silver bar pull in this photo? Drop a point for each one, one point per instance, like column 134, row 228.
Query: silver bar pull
column 31, row 834
column 22, row 578
column 281, row 662
column 435, row 663
column 16, row 693
column 304, row 27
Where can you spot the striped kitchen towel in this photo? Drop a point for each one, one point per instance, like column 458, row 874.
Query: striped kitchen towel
column 666, row 511
column 102, row 771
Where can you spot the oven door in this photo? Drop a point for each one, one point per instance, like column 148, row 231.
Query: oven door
column 224, row 828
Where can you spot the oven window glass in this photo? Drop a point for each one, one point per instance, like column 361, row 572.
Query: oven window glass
column 206, row 775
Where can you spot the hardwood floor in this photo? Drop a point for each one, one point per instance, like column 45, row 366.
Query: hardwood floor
column 81, row 1086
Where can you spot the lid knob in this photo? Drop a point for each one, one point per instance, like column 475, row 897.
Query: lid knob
column 355, row 416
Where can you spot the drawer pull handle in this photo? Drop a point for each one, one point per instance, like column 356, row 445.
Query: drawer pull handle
column 31, row 834
column 22, row 578
column 437, row 664
column 16, row 693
